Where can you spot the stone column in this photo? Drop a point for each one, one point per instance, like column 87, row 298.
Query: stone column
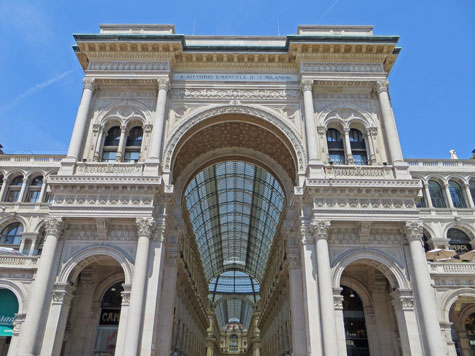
column 31, row 330
column 310, row 289
column 450, row 203
column 325, row 288
column 430, row 326
column 371, row 134
column 21, row 196
column 124, row 312
column 407, row 324
column 154, row 288
column 57, row 318
column 121, row 148
column 80, row 125
column 347, row 146
column 310, row 129
column 389, row 123
column 167, row 301
column 3, row 189
column 100, row 137
column 41, row 198
column 340, row 322
column 427, row 195
column 136, row 309
column 159, row 121
column 469, row 197
column 296, row 299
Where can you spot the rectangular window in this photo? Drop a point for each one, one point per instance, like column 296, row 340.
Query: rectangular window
column 33, row 196
column 109, row 156
column 131, row 156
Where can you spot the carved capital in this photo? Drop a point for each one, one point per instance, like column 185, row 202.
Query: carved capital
column 97, row 128
column 338, row 302
column 382, row 86
column 306, row 235
column 403, row 300
column 372, row 131
column 321, row 130
column 413, row 231
column 320, row 229
column 54, row 225
column 306, row 84
column 147, row 128
column 145, row 226
column 163, row 83
column 89, row 83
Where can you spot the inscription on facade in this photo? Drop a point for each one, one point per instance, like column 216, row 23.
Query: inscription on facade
column 217, row 77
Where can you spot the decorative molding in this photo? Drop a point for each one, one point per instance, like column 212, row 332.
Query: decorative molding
column 127, row 66
column 110, row 168
column 320, row 229
column 343, row 67
column 54, row 226
column 365, row 203
column 89, row 83
column 414, row 230
column 358, row 171
column 382, row 86
column 212, row 111
column 145, row 226
column 235, row 94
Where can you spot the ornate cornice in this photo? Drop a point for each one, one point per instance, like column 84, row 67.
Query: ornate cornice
column 145, row 226
column 54, row 225
column 235, row 94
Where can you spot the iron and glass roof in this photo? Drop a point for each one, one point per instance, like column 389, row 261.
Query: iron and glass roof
column 234, row 310
column 234, row 209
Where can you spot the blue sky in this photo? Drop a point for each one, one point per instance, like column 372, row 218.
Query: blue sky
column 432, row 83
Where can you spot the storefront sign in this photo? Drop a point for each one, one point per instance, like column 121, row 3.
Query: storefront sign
column 8, row 309
column 216, row 77
column 110, row 317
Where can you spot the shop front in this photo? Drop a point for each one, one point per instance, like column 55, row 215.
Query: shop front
column 8, row 310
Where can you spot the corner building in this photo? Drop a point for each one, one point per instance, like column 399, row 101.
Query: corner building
column 236, row 195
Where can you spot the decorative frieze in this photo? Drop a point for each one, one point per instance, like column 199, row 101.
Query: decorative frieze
column 364, row 203
column 110, row 168
column 129, row 66
column 359, row 171
column 235, row 94
column 102, row 199
column 343, row 67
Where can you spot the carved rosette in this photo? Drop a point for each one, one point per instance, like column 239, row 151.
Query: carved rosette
column 382, row 86
column 89, row 83
column 145, row 226
column 413, row 231
column 54, row 225
column 320, row 229
column 163, row 83
column 306, row 85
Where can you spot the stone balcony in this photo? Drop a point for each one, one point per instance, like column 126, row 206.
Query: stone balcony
column 452, row 268
column 18, row 262
column 30, row 160
column 354, row 171
column 117, row 168
column 441, row 165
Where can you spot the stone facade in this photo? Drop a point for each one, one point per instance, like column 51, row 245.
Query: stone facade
column 108, row 245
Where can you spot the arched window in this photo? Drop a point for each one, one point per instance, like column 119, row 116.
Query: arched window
column 436, row 195
column 14, row 189
column 11, row 235
column 358, row 147
column 109, row 320
column 111, row 143
column 233, row 343
column 134, row 143
column 336, row 150
column 456, row 194
column 35, row 189
column 458, row 240
column 355, row 323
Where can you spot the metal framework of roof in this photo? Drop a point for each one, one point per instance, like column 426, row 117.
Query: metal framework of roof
column 234, row 209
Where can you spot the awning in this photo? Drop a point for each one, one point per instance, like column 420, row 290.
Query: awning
column 8, row 309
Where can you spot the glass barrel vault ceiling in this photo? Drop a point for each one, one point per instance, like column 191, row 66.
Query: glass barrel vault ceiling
column 234, row 209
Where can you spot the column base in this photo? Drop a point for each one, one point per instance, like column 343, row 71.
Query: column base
column 315, row 169
column 401, row 170
column 68, row 166
column 152, row 167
